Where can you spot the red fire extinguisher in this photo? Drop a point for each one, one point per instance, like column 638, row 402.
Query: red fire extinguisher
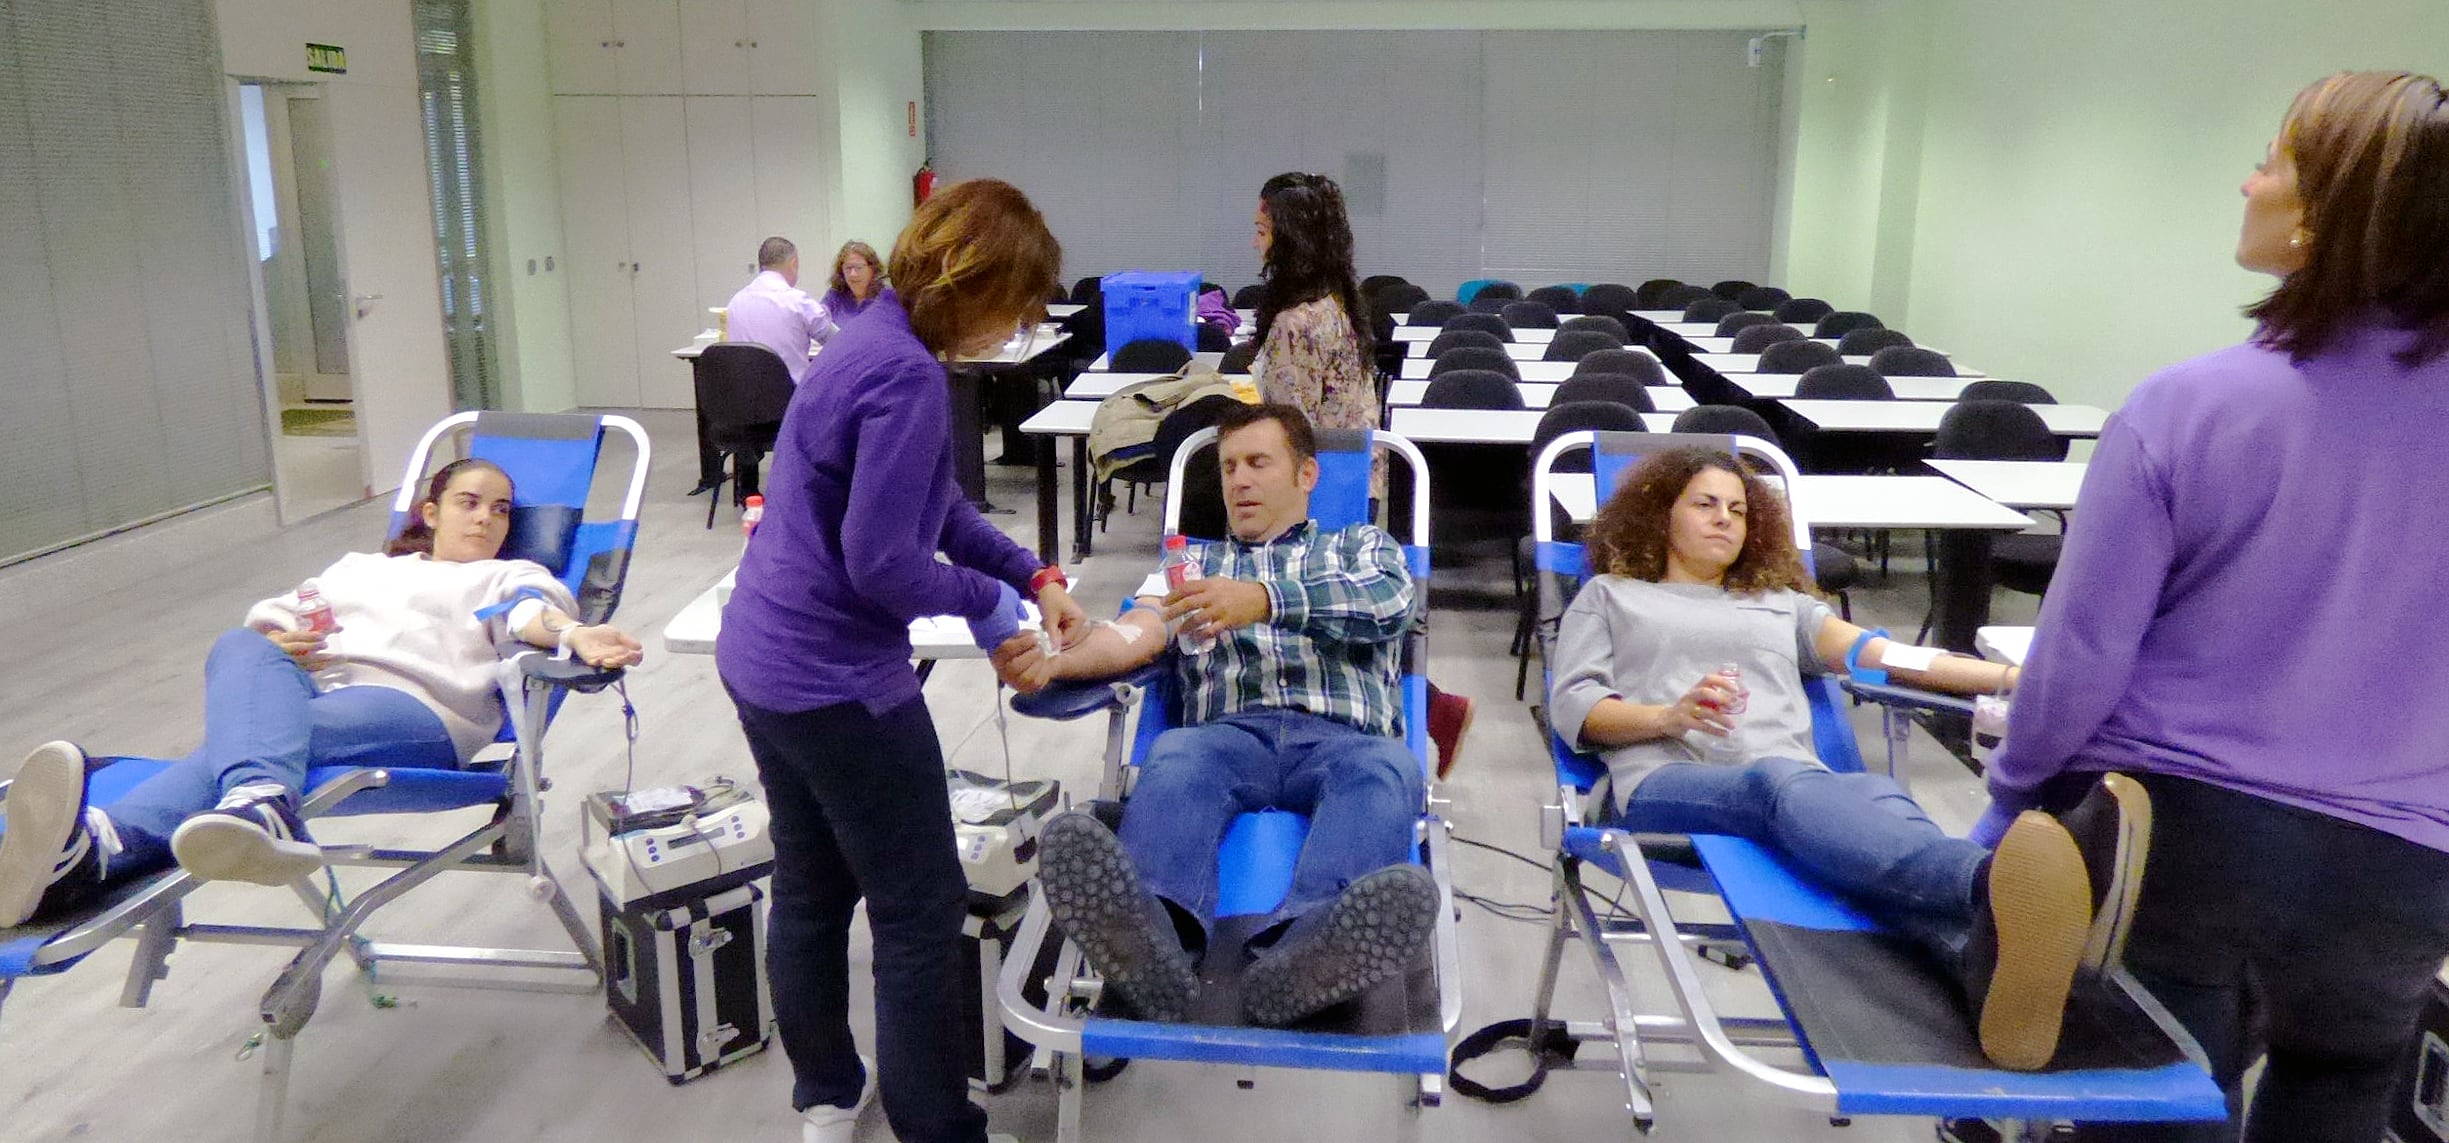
column 922, row 184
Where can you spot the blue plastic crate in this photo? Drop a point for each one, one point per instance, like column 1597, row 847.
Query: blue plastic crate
column 1150, row 305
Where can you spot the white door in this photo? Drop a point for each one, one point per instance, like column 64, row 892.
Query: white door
column 783, row 47
column 791, row 181
column 666, row 310
column 578, row 47
column 397, row 353
column 648, row 35
column 723, row 197
column 595, row 243
column 714, row 56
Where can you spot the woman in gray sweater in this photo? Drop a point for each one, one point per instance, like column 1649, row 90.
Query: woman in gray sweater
column 1682, row 662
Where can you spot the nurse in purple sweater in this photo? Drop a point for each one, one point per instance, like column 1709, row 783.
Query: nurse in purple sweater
column 2249, row 618
column 815, row 651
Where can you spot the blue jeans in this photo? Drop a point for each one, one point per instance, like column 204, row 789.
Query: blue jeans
column 1362, row 793
column 263, row 722
column 1859, row 834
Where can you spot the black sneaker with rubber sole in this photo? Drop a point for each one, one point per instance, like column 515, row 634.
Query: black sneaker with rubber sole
column 1095, row 894
column 1373, row 931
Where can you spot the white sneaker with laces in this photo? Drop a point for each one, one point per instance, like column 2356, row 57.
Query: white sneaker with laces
column 825, row 1123
column 51, row 833
column 253, row 835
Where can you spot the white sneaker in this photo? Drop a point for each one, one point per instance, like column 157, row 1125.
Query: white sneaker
column 253, row 835
column 825, row 1123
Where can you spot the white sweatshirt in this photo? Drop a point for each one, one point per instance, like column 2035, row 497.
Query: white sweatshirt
column 409, row 623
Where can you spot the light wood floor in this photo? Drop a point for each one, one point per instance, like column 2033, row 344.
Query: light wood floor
column 105, row 646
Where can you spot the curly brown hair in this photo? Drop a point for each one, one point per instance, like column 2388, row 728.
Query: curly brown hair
column 1630, row 536
column 1310, row 256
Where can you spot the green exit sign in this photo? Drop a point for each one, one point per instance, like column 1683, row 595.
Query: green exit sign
column 327, row 58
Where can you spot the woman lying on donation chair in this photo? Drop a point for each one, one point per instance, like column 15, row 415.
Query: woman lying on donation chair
column 1682, row 662
column 404, row 679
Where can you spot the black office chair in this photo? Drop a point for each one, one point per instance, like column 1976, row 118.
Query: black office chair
column 742, row 390
column 1621, row 388
column 1732, row 288
column 1801, row 311
column 1652, row 294
column 1737, row 322
column 1458, row 338
column 1843, row 322
column 1763, row 298
column 2006, row 430
column 1842, row 383
column 1631, row 363
column 1485, row 323
column 1488, row 305
column 1600, row 322
column 1475, row 358
column 1755, row 338
column 2020, row 392
column 1087, row 289
column 1386, row 352
column 1528, row 315
column 1499, row 289
column 1434, row 312
column 1711, row 308
column 1865, row 342
column 1561, row 299
column 1796, row 355
column 1237, row 359
column 1681, row 296
column 1610, row 298
column 1836, row 570
column 1211, row 339
column 1150, row 355
column 1248, row 297
column 1575, row 344
column 1375, row 282
column 1912, row 361
column 1400, row 298
column 1058, row 296
column 1152, row 470
column 1471, row 389
column 1562, row 417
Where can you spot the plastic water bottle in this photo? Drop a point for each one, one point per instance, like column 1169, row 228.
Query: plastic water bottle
column 752, row 511
column 315, row 612
column 1730, row 748
column 1743, row 694
column 1181, row 568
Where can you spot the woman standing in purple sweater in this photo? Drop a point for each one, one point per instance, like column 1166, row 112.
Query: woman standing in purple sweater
column 2248, row 617
column 815, row 651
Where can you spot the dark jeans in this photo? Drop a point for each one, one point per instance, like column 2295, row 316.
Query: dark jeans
column 2328, row 932
column 860, row 811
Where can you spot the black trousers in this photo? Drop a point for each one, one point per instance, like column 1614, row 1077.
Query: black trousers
column 2266, row 928
column 860, row 811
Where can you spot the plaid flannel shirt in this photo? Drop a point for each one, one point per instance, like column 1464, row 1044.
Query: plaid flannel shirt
column 1339, row 605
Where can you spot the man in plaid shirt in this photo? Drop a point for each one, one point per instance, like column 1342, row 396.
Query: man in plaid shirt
column 1295, row 707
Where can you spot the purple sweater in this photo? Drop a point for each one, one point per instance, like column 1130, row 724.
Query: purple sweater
column 2251, row 592
column 860, row 500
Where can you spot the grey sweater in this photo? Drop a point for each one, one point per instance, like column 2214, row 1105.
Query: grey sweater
column 1649, row 643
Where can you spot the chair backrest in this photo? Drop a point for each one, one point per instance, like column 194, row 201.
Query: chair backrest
column 1088, row 289
column 1741, row 320
column 1651, row 295
column 1843, row 322
column 1471, row 389
column 1797, row 311
column 740, row 385
column 1763, row 298
column 1610, row 298
column 1375, row 282
column 1753, row 339
column 1457, row 338
column 1600, row 322
column 1561, row 299
column 1475, row 357
column 2021, row 392
column 1571, row 345
column 1615, row 453
column 1711, row 308
column 1619, row 388
column 1528, row 315
column 1795, row 355
column 1399, row 298
column 1995, row 430
column 1865, row 342
column 552, row 460
column 1679, row 296
column 1580, row 417
column 1210, row 339
column 1731, row 288
column 1843, row 383
column 1626, row 362
column 1150, row 355
column 1731, row 420
column 1485, row 323
column 1248, row 297
column 1433, row 312
column 1478, row 288
column 1485, row 304
column 1237, row 359
column 1912, row 361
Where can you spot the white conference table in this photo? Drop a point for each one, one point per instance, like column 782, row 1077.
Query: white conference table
column 1548, row 372
column 693, row 631
column 1924, row 416
column 1710, row 343
column 2009, row 645
column 1059, row 310
column 1518, row 350
column 2018, row 483
column 1485, row 426
column 1780, row 386
column 1833, row 501
column 1430, row 332
column 693, row 352
column 1539, row 395
column 1211, row 359
column 1022, row 347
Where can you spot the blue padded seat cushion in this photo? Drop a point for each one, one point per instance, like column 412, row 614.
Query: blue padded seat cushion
column 1399, row 1053
column 1254, row 865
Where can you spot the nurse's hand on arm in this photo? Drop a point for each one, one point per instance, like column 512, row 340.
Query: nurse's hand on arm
column 1062, row 616
column 1103, row 651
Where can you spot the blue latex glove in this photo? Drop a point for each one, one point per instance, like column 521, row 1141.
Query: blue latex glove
column 1992, row 828
column 1000, row 624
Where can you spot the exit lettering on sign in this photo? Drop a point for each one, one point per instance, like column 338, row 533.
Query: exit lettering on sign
column 327, row 58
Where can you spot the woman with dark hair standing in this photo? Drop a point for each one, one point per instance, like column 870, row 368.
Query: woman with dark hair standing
column 2248, row 618
column 1315, row 347
column 815, row 651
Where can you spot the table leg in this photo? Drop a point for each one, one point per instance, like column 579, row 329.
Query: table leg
column 1080, row 514
column 1959, row 606
column 1049, row 529
column 968, row 435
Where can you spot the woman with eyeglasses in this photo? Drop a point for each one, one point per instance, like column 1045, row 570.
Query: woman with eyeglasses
column 815, row 652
